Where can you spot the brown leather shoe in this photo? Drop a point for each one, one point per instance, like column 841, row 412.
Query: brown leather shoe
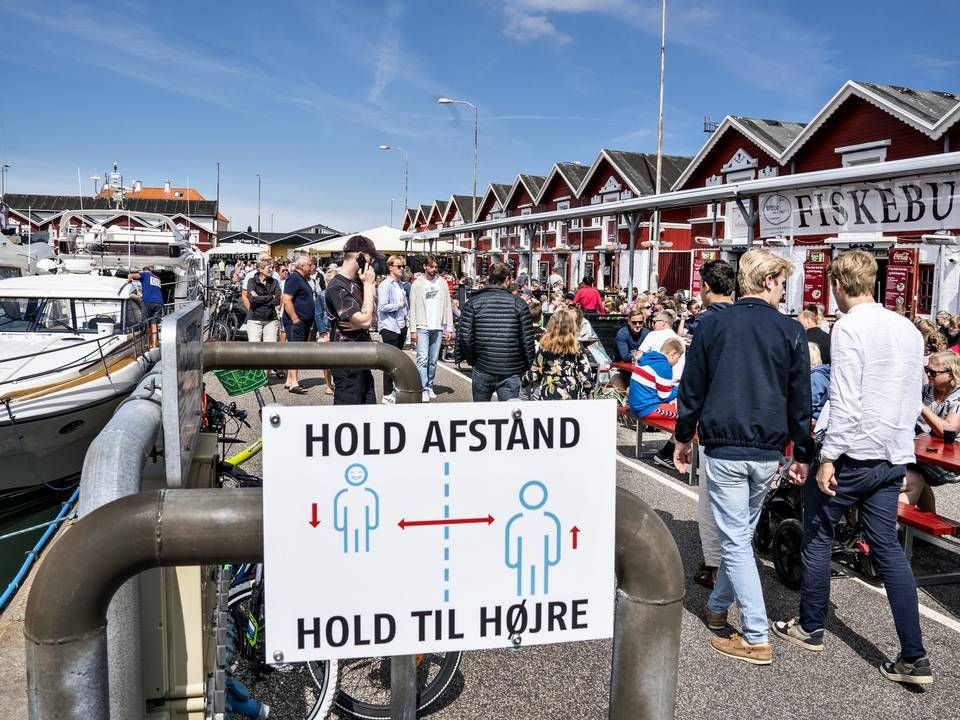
column 739, row 649
column 715, row 621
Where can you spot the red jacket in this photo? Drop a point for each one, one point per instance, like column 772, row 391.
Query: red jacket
column 589, row 299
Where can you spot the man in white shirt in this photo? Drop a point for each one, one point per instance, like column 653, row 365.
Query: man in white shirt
column 875, row 386
column 431, row 320
column 662, row 331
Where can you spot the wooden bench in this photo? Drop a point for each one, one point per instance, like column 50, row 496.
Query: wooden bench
column 668, row 426
column 934, row 529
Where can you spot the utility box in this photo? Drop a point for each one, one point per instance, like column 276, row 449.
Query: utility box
column 178, row 606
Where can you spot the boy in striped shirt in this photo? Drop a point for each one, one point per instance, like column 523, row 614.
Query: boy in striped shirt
column 653, row 390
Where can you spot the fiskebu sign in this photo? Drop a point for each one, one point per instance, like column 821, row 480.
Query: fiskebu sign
column 930, row 202
column 420, row 528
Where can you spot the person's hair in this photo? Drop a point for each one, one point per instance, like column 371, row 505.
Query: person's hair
column 430, row 260
column 672, row 345
column 665, row 315
column 395, row 259
column 756, row 266
column 692, row 304
column 815, row 357
column 636, row 312
column 855, row 271
column 302, row 261
column 536, row 311
column 561, row 334
column 499, row 273
column 954, row 323
column 950, row 361
column 933, row 341
column 264, row 265
column 588, row 280
column 718, row 276
column 808, row 316
column 944, row 313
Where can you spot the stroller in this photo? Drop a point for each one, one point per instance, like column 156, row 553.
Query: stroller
column 780, row 531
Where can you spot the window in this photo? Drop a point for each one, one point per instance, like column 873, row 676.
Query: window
column 925, row 289
column 864, row 153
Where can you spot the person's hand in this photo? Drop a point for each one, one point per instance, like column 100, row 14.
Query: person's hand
column 413, row 337
column 681, row 456
column 369, row 275
column 447, row 335
column 798, row 473
column 826, row 479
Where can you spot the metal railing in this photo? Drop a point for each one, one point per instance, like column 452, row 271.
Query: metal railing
column 66, row 630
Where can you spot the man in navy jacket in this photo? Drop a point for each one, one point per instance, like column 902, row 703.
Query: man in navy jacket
column 746, row 393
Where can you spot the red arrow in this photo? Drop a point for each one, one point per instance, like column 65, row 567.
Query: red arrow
column 404, row 524
column 314, row 522
column 575, row 530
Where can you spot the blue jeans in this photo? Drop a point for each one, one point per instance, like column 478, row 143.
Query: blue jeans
column 428, row 350
column 736, row 489
column 875, row 485
column 507, row 387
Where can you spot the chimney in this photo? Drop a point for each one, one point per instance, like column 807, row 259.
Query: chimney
column 166, row 187
column 137, row 185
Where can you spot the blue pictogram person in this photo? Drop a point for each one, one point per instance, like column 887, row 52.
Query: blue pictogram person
column 356, row 510
column 532, row 541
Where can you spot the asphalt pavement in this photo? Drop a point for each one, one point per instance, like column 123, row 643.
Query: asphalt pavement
column 571, row 681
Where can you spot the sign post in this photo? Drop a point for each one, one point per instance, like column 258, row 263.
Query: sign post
column 181, row 367
column 411, row 529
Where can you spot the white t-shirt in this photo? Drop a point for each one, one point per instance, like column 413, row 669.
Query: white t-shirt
column 433, row 302
column 654, row 341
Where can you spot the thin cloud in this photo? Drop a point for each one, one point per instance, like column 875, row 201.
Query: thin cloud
column 935, row 64
column 524, row 27
column 543, row 117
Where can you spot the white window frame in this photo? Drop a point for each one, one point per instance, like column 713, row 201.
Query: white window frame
column 864, row 153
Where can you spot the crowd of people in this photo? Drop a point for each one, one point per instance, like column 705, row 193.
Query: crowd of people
column 749, row 381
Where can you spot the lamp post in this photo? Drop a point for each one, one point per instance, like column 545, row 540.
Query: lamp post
column 3, row 179
column 476, row 144
column 259, row 239
column 406, row 173
column 654, row 236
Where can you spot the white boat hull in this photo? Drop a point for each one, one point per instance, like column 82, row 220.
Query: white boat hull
column 50, row 449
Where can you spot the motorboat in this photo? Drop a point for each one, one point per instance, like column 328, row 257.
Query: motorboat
column 72, row 347
column 21, row 255
column 140, row 240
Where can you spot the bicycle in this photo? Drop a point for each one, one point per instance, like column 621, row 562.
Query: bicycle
column 359, row 687
column 227, row 314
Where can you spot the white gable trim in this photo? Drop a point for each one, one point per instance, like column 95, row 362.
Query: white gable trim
column 603, row 155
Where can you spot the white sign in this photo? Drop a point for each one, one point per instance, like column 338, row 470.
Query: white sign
column 930, row 202
column 428, row 528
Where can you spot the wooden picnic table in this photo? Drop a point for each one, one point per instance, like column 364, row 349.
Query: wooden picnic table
column 932, row 451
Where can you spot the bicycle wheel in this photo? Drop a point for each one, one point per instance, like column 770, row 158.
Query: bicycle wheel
column 293, row 690
column 233, row 325
column 364, row 690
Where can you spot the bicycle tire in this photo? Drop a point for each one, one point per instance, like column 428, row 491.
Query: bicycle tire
column 233, row 325
column 376, row 671
column 314, row 684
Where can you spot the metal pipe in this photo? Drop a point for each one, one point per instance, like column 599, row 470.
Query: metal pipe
column 927, row 164
column 379, row 356
column 66, row 617
column 113, row 468
column 646, row 639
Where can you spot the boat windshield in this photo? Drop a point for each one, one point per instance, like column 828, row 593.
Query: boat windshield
column 66, row 315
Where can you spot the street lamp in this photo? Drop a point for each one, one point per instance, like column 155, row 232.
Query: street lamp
column 476, row 136
column 259, row 240
column 406, row 172
column 3, row 179
column 476, row 124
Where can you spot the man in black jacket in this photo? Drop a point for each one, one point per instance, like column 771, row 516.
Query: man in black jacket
column 746, row 392
column 496, row 338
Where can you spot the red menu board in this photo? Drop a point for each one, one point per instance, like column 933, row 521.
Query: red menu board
column 701, row 258
column 815, row 278
column 899, row 275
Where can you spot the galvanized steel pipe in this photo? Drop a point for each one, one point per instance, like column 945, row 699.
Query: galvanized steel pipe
column 314, row 356
column 646, row 636
column 66, row 617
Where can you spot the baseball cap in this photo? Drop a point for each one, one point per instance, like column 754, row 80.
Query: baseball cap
column 569, row 296
column 361, row 243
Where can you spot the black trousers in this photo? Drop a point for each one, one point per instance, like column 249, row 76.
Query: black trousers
column 353, row 387
column 397, row 340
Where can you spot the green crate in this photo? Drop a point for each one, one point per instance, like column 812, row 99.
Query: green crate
column 240, row 382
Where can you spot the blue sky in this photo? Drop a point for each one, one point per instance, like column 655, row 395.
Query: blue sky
column 304, row 92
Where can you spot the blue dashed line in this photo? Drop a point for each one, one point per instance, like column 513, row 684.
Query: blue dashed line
column 446, row 534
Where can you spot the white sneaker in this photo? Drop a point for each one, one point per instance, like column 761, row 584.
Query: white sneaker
column 390, row 399
column 431, row 393
column 426, row 396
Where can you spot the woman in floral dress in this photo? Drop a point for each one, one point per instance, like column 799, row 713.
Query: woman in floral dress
column 561, row 369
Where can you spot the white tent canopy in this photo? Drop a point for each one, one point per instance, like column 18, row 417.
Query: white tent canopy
column 237, row 249
column 386, row 239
